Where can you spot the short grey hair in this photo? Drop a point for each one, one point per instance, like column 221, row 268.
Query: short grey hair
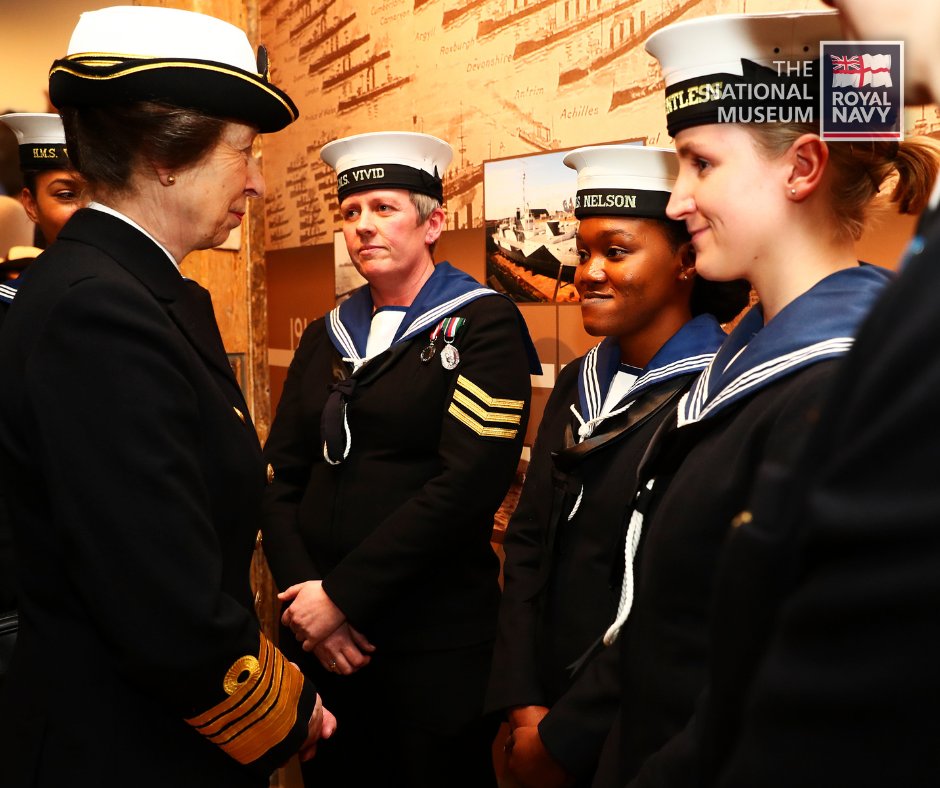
column 425, row 205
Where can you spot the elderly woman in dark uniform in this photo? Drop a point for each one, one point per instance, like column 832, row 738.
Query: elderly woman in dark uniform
column 131, row 466
column 551, row 675
column 777, row 204
column 397, row 435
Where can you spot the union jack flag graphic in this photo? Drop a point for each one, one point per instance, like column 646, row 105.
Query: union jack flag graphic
column 859, row 71
column 843, row 64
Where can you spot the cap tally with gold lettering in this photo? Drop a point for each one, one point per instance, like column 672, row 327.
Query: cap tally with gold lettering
column 125, row 54
column 41, row 140
column 742, row 68
column 389, row 160
column 623, row 180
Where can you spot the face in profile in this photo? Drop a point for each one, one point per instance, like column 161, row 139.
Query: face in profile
column 210, row 199
column 383, row 235
column 730, row 197
column 57, row 195
column 628, row 276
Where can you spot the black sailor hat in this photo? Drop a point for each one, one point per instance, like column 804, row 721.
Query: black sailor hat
column 41, row 140
column 389, row 160
column 134, row 53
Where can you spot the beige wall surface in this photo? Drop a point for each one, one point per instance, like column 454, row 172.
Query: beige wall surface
column 33, row 33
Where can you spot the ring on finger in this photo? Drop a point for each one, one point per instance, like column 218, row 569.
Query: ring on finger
column 333, row 665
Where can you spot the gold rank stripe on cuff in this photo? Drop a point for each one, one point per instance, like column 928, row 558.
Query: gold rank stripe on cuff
column 261, row 708
column 485, row 412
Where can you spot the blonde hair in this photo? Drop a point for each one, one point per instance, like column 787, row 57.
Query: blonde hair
column 858, row 171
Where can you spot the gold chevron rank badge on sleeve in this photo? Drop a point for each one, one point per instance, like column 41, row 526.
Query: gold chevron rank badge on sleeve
column 485, row 415
column 261, row 708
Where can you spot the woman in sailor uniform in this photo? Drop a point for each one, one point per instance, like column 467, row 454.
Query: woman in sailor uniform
column 129, row 461
column 397, row 435
column 552, row 678
column 777, row 205
column 825, row 644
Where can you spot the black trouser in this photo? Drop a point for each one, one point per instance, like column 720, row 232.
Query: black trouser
column 409, row 721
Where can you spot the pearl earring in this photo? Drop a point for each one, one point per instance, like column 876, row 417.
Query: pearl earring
column 793, row 192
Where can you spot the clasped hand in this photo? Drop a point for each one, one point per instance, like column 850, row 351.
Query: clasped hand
column 527, row 763
column 321, row 627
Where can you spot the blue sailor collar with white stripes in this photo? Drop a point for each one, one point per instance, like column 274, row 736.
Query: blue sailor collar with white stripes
column 687, row 351
column 818, row 325
column 445, row 291
column 8, row 291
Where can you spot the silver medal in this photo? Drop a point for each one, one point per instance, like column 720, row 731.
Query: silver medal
column 450, row 358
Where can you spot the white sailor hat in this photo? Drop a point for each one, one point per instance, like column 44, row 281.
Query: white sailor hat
column 389, row 160
column 623, row 180
column 41, row 140
column 713, row 65
column 135, row 53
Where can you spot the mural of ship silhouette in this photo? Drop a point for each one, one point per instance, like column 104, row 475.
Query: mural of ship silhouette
column 347, row 104
column 324, row 35
column 463, row 177
column 341, row 51
column 307, row 18
column 625, row 44
column 488, row 26
column 636, row 91
column 553, row 33
column 539, row 135
column 352, row 70
column 459, row 11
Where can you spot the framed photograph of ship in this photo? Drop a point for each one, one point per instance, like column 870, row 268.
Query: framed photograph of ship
column 528, row 210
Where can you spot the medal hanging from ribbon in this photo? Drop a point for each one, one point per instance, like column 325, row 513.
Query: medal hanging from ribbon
column 449, row 327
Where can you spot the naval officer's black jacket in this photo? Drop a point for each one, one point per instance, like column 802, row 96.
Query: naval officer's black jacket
column 135, row 480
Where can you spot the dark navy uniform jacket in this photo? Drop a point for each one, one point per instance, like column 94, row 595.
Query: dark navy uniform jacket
column 843, row 685
column 399, row 531
column 561, row 579
column 757, row 409
column 134, row 477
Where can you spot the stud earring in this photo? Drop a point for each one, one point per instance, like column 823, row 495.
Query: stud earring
column 171, row 179
column 793, row 192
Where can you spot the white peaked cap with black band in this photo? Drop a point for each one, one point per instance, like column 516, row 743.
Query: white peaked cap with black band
column 700, row 57
column 389, row 160
column 623, row 180
column 125, row 54
column 41, row 140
